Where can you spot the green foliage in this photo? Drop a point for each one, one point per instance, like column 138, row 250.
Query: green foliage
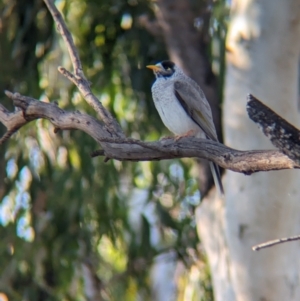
column 218, row 32
column 63, row 215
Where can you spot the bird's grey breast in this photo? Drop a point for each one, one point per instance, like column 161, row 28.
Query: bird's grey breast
column 173, row 115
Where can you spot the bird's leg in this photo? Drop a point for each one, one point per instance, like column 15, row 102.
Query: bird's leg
column 167, row 137
column 187, row 134
column 178, row 137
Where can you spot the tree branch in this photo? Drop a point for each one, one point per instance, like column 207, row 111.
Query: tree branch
column 78, row 77
column 128, row 149
column 275, row 242
column 12, row 121
column 281, row 133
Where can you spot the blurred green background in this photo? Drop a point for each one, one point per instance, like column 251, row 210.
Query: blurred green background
column 73, row 227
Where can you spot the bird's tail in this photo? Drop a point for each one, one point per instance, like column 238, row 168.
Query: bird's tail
column 217, row 177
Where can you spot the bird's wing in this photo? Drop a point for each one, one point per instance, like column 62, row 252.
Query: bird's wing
column 196, row 106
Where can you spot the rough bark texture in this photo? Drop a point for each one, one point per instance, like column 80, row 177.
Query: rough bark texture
column 281, row 133
column 127, row 149
column 263, row 56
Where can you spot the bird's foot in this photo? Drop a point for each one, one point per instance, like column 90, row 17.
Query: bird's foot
column 187, row 134
column 167, row 137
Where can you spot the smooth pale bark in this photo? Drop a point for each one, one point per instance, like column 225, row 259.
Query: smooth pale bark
column 262, row 59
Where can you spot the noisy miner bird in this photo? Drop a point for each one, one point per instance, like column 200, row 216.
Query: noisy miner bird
column 183, row 107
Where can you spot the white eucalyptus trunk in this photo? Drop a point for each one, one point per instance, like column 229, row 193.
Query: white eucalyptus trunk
column 263, row 55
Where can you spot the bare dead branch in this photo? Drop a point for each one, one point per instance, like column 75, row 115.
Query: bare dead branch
column 128, row 149
column 78, row 78
column 12, row 122
column 67, row 37
column 281, row 133
column 275, row 242
column 32, row 109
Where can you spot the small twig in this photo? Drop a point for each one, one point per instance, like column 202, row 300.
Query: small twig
column 67, row 37
column 282, row 134
column 275, row 242
column 11, row 120
column 70, row 76
column 98, row 152
column 7, row 135
column 79, row 78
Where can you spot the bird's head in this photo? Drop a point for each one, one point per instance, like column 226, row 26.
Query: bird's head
column 164, row 69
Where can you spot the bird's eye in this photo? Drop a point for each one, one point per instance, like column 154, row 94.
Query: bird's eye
column 168, row 65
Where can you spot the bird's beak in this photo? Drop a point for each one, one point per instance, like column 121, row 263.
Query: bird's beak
column 154, row 68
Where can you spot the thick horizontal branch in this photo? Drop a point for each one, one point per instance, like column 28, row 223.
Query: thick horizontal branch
column 30, row 109
column 281, row 133
column 127, row 149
